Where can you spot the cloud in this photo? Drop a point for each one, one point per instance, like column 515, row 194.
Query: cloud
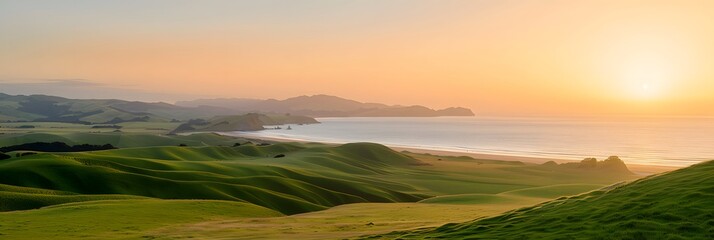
column 70, row 82
column 87, row 89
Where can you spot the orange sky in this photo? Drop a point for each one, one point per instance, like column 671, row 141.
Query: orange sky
column 496, row 57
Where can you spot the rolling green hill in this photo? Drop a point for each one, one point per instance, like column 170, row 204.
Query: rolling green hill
column 675, row 205
column 57, row 109
column 232, row 178
column 331, row 176
column 214, row 179
column 287, row 177
column 22, row 198
column 121, row 140
column 246, row 122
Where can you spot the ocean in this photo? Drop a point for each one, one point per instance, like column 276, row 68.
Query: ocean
column 667, row 141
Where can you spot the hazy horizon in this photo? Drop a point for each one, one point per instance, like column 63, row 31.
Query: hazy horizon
column 502, row 58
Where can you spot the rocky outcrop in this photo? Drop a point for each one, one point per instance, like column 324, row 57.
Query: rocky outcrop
column 455, row 111
column 588, row 163
column 550, row 164
column 612, row 164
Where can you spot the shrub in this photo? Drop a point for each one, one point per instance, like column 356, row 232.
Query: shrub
column 55, row 147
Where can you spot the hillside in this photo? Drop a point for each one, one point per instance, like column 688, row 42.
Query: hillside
column 328, row 176
column 247, row 122
column 119, row 218
column 675, row 205
column 42, row 108
column 206, row 189
column 324, row 106
column 120, row 140
column 287, row 177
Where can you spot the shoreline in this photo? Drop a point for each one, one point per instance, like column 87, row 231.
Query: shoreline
column 640, row 169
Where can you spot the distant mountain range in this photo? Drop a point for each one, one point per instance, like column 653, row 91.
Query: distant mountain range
column 42, row 108
column 324, row 106
column 110, row 111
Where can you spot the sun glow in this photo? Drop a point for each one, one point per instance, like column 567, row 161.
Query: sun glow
column 645, row 67
column 646, row 83
column 498, row 57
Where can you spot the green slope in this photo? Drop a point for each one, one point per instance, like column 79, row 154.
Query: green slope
column 22, row 198
column 119, row 219
column 247, row 173
column 121, row 140
column 246, row 122
column 534, row 194
column 675, row 205
column 309, row 177
column 150, row 173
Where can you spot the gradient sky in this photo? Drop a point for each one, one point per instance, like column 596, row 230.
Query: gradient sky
column 496, row 57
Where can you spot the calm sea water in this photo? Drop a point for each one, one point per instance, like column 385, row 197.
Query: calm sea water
column 645, row 140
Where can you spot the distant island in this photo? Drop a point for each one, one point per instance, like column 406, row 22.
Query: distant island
column 324, row 106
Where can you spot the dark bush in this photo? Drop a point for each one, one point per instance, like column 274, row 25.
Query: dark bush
column 4, row 156
column 55, row 147
column 279, row 156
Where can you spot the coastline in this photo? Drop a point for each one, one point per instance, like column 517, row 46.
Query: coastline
column 640, row 169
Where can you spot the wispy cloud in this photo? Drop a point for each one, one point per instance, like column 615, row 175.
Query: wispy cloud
column 71, row 82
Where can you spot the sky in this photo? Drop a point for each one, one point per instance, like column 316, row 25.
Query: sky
column 537, row 57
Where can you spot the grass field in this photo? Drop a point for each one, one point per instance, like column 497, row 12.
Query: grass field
column 675, row 205
column 57, row 127
column 119, row 219
column 121, row 140
column 345, row 221
column 328, row 190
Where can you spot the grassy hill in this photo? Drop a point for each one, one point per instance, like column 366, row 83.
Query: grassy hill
column 287, row 177
column 21, row 198
column 332, row 175
column 58, row 109
column 119, row 219
column 246, row 122
column 675, row 205
column 121, row 140
column 201, row 190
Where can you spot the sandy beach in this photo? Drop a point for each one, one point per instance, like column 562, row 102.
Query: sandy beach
column 640, row 169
